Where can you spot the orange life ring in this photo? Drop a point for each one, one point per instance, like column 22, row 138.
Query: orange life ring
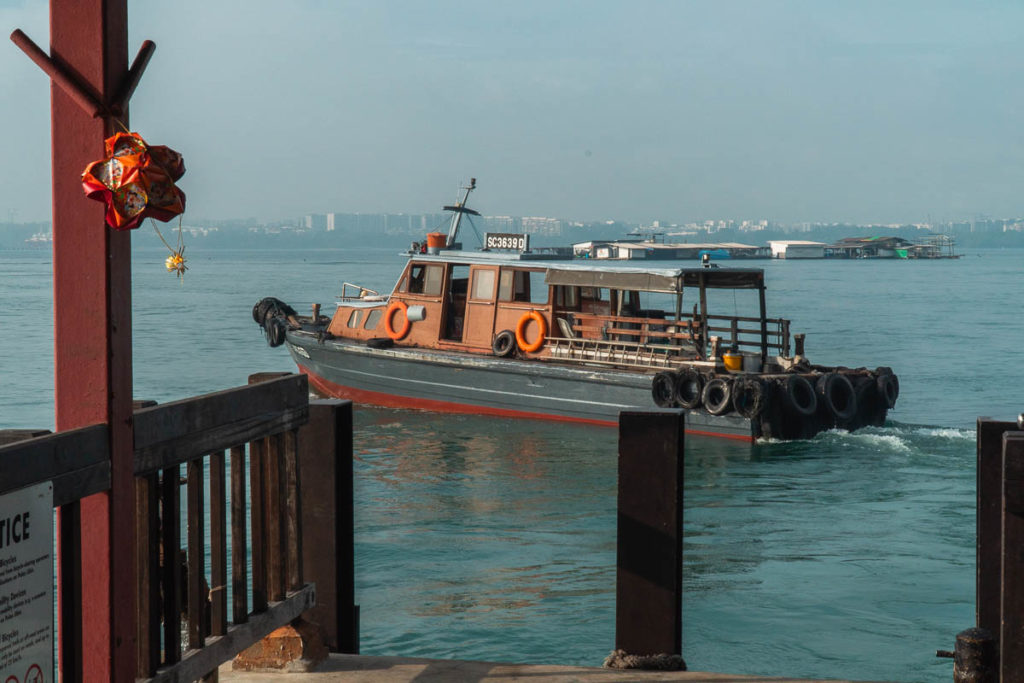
column 389, row 316
column 542, row 331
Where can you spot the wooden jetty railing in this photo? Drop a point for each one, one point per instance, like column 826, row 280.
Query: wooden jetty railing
column 994, row 649
column 255, row 430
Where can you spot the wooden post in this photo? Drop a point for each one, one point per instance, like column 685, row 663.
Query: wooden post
column 648, row 599
column 989, row 518
column 92, row 332
column 1011, row 635
column 325, row 447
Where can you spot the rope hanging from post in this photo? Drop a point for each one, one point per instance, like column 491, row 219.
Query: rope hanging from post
column 620, row 659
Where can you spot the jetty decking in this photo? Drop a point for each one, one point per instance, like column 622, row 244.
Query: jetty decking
column 353, row 668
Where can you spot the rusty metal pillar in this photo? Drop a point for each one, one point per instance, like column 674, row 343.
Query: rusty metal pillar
column 92, row 332
column 648, row 586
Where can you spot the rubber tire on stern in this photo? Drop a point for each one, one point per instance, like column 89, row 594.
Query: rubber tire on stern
column 717, row 396
column 380, row 342
column 749, row 397
column 663, row 389
column 837, row 393
column 888, row 387
column 800, row 396
column 689, row 386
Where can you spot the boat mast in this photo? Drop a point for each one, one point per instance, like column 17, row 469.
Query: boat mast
column 457, row 211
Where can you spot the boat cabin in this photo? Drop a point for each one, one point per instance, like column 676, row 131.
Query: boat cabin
column 496, row 305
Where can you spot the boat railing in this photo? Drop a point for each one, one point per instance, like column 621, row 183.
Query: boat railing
column 734, row 334
column 360, row 293
column 687, row 335
column 644, row 330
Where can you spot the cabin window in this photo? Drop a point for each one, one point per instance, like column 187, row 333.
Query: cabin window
column 567, row 298
column 523, row 285
column 373, row 318
column 355, row 318
column 483, row 284
column 425, row 279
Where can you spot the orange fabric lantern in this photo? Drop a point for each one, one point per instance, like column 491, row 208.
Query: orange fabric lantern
column 136, row 181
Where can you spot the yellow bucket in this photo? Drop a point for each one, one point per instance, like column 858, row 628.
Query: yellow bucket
column 733, row 361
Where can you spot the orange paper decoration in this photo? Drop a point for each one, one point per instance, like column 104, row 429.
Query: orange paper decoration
column 136, row 181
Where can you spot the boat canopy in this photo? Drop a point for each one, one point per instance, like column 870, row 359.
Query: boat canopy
column 657, row 280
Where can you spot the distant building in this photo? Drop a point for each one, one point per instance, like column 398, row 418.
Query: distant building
column 790, row 249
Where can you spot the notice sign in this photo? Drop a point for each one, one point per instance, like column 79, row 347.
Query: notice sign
column 26, row 585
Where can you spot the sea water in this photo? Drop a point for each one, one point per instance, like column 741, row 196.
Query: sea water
column 848, row 555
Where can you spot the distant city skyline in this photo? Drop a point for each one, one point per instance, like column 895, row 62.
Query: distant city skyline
column 789, row 111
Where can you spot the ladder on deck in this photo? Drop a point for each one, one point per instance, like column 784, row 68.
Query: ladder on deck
column 604, row 352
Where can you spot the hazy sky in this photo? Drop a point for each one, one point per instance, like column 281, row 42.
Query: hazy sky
column 790, row 111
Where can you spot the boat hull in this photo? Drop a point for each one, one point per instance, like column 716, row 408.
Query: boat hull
column 403, row 377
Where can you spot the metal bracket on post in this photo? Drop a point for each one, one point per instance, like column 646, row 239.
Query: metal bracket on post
column 83, row 95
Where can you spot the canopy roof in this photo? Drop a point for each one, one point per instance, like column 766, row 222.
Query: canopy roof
column 656, row 279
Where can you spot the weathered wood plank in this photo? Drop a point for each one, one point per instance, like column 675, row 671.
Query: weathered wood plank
column 196, row 556
column 147, row 549
column 9, row 436
column 257, row 453
column 292, row 512
column 218, row 547
column 69, row 591
column 989, row 520
column 648, row 585
column 325, row 447
column 239, row 544
column 77, row 484
column 45, row 458
column 1011, row 634
column 170, row 577
column 274, row 518
column 191, row 428
column 219, row 649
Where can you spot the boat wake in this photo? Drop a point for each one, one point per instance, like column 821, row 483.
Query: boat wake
column 894, row 437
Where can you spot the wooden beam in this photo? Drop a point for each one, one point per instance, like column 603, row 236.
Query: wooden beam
column 218, row 649
column 92, row 328
column 188, row 429
column 1011, row 633
column 648, row 584
column 989, row 518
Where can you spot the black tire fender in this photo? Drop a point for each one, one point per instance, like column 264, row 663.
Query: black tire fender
column 717, row 395
column 689, row 387
column 749, row 397
column 837, row 393
column 380, row 342
column 800, row 396
column 276, row 329
column 663, row 389
column 888, row 388
column 504, row 343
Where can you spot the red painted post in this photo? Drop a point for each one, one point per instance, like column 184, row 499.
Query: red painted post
column 92, row 329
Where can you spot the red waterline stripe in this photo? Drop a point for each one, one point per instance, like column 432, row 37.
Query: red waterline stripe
column 377, row 398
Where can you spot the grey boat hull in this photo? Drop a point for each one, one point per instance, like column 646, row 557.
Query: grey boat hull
column 428, row 379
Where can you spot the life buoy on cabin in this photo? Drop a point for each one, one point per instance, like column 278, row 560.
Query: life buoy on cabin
column 542, row 331
column 389, row 317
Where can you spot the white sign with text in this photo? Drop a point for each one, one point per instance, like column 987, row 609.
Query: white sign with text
column 26, row 585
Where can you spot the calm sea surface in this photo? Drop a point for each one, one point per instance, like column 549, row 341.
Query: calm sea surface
column 850, row 555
